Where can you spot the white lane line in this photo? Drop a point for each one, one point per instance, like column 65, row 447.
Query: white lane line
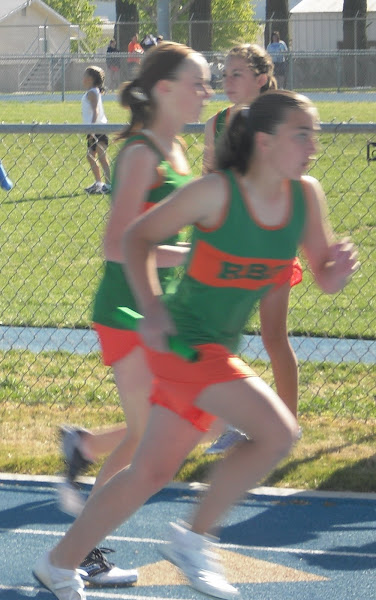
column 137, row 540
column 89, row 593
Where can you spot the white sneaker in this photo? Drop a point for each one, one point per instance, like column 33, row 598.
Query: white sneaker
column 195, row 556
column 70, row 500
column 106, row 188
column 96, row 188
column 227, row 440
column 96, row 570
column 65, row 584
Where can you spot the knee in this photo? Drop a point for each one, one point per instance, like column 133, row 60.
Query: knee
column 154, row 477
column 130, row 441
column 286, row 436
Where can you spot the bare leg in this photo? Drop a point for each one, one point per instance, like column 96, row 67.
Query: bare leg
column 133, row 380
column 102, row 156
column 252, row 406
column 94, row 444
column 152, row 467
column 93, row 165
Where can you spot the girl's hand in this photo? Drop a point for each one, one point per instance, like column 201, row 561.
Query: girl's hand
column 156, row 326
column 342, row 264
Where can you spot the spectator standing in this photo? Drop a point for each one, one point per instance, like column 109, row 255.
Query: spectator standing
column 97, row 143
column 148, row 42
column 113, row 64
column 135, row 52
column 277, row 50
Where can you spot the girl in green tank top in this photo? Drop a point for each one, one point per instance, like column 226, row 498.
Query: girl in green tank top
column 169, row 91
column 243, row 206
column 248, row 72
column 249, row 218
column 114, row 289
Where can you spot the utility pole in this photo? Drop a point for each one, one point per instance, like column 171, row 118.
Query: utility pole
column 163, row 19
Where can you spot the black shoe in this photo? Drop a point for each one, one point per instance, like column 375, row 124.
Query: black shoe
column 70, row 446
column 98, row 571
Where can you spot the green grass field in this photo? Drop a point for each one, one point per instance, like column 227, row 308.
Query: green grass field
column 59, row 228
column 39, row 392
column 50, row 267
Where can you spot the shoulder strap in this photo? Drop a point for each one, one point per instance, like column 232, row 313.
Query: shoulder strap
column 141, row 138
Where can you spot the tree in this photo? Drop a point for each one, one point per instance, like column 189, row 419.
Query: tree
column 238, row 27
column 354, row 24
column 219, row 34
column 201, row 32
column 127, row 23
column 81, row 13
column 277, row 19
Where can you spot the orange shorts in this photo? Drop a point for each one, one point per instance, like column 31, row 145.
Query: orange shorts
column 178, row 382
column 297, row 272
column 116, row 343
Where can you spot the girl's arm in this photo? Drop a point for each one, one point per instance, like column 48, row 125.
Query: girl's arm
column 209, row 148
column 93, row 99
column 332, row 262
column 135, row 173
column 273, row 315
column 184, row 207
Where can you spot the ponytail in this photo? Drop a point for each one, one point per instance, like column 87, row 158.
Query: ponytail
column 236, row 144
column 160, row 62
column 141, row 105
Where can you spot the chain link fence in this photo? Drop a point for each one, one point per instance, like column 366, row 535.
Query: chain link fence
column 61, row 75
column 51, row 261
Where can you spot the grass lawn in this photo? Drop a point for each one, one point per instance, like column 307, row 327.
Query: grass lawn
column 38, row 393
column 52, row 229
column 50, row 267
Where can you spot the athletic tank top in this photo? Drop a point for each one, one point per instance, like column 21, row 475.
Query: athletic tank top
column 114, row 290
column 230, row 268
column 221, row 120
column 87, row 110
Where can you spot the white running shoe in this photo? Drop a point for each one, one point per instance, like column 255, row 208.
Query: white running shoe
column 70, row 500
column 195, row 556
column 106, row 188
column 96, row 570
column 95, row 188
column 65, row 584
column 227, row 440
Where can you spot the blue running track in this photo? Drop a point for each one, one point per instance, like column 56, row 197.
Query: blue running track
column 276, row 544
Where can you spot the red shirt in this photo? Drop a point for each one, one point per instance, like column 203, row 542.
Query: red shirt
column 135, row 49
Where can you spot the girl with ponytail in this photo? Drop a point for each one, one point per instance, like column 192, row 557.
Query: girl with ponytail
column 169, row 91
column 247, row 226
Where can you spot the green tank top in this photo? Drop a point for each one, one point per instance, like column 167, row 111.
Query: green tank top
column 113, row 289
column 232, row 267
column 220, row 122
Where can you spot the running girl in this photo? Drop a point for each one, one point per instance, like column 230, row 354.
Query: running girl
column 248, row 219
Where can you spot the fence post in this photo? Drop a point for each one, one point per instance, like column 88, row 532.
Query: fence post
column 290, row 72
column 63, row 79
column 339, row 71
column 45, row 43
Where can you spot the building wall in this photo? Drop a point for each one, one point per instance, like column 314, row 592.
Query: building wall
column 323, row 31
column 23, row 33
